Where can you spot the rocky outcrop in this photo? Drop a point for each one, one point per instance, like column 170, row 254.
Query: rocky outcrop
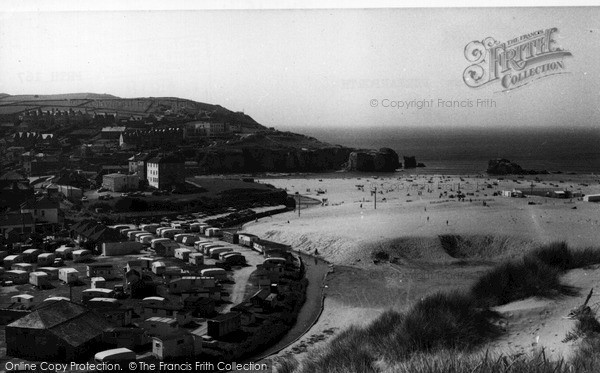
column 382, row 160
column 502, row 166
column 410, row 162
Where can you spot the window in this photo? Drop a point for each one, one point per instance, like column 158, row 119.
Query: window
column 43, row 213
column 180, row 342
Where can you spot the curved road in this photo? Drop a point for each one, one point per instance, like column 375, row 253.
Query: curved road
column 316, row 270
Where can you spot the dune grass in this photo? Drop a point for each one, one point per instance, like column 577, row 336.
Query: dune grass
column 443, row 332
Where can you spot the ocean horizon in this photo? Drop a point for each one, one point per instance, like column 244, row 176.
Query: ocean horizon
column 467, row 151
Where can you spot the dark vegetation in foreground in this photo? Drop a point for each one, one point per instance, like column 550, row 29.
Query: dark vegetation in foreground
column 445, row 332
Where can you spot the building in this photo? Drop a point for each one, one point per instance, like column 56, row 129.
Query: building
column 120, row 182
column 44, row 211
column 157, row 137
column 138, row 164
column 204, row 129
column 165, row 172
column 181, row 344
column 592, row 198
column 17, row 223
column 224, row 324
column 112, row 133
column 56, row 330
column 105, row 270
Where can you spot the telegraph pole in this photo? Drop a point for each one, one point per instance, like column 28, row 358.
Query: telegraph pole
column 298, row 194
column 374, row 191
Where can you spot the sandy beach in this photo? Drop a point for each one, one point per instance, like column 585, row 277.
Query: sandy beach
column 412, row 212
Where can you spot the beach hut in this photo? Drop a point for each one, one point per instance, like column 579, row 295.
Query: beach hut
column 196, row 259
column 203, row 227
column 46, row 259
column 182, row 254
column 64, row 252
column 98, row 283
column 81, row 255
column 31, row 255
column 158, row 268
column 10, row 260
column 27, row 267
column 217, row 273
column 24, row 299
column 17, row 276
column 68, row 275
column 52, row 272
column 39, row 279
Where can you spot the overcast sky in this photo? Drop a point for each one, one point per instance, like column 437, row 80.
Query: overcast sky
column 295, row 69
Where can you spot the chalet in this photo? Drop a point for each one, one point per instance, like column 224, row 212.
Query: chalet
column 58, row 330
column 224, row 324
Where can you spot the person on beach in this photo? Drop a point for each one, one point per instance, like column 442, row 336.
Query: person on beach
column 446, row 222
column 428, row 219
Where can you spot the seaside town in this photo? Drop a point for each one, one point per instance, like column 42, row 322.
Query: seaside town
column 113, row 251
column 299, row 190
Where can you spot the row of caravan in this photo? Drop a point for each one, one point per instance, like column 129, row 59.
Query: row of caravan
column 145, row 237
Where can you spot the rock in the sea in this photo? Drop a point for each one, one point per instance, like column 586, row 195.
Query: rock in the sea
column 410, row 162
column 502, row 166
column 382, row 160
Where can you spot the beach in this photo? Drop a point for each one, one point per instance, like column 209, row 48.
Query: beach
column 408, row 220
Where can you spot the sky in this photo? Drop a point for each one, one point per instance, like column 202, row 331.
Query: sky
column 301, row 69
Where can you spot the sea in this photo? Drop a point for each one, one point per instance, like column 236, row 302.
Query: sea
column 468, row 150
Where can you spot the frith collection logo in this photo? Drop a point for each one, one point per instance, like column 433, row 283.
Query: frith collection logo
column 516, row 62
